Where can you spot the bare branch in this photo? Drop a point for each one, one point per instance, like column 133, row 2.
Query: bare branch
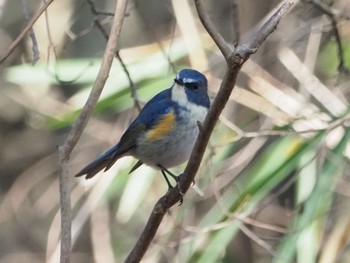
column 235, row 19
column 343, row 121
column 133, row 88
column 212, row 31
column 65, row 150
column 98, row 12
column 250, row 234
column 245, row 50
column 235, row 60
column 25, row 30
column 32, row 36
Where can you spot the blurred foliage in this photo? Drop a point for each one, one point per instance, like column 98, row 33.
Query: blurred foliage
column 329, row 59
column 274, row 183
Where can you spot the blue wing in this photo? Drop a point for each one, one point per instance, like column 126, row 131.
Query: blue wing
column 151, row 113
column 148, row 118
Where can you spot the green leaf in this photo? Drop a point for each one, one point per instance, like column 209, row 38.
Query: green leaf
column 329, row 59
column 318, row 203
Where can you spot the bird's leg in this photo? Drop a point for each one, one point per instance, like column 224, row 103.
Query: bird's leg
column 166, row 179
column 176, row 178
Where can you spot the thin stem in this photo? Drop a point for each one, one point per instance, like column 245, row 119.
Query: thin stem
column 65, row 150
column 236, row 23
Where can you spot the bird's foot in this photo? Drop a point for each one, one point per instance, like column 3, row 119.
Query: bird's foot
column 176, row 179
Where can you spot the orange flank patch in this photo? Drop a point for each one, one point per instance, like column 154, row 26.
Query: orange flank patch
column 165, row 125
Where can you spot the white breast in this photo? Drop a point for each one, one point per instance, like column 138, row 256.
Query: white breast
column 197, row 112
column 176, row 147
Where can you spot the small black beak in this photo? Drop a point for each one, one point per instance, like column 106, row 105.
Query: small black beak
column 179, row 82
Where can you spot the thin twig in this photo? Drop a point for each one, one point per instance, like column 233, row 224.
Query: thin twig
column 232, row 219
column 245, row 230
column 212, row 31
column 235, row 60
column 104, row 13
column 132, row 85
column 250, row 234
column 32, row 36
column 259, row 37
column 258, row 224
column 25, row 30
column 236, row 23
column 332, row 15
column 244, row 135
column 50, row 39
column 65, row 150
column 98, row 12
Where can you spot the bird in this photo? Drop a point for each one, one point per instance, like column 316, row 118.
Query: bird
column 163, row 134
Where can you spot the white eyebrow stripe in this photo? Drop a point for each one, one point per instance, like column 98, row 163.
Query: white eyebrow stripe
column 186, row 80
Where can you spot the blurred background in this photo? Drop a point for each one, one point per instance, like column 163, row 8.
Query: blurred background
column 274, row 183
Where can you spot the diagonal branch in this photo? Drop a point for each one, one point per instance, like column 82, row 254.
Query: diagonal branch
column 252, row 45
column 235, row 60
column 65, row 150
column 212, row 31
column 133, row 88
column 28, row 27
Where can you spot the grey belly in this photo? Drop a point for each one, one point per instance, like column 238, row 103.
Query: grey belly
column 169, row 151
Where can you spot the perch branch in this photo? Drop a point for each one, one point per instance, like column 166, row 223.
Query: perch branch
column 65, row 150
column 235, row 60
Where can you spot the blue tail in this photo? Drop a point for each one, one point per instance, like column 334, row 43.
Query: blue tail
column 105, row 161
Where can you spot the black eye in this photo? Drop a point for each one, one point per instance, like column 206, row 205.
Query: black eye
column 192, row 85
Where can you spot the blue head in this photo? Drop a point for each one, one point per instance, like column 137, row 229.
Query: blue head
column 194, row 84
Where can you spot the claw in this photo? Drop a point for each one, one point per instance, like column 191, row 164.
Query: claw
column 166, row 172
